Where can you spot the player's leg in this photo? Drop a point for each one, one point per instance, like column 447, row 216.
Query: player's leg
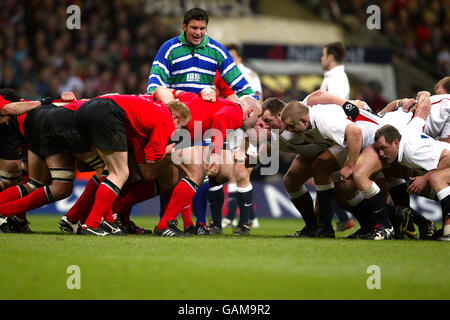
column 440, row 182
column 10, row 173
column 367, row 165
column 216, row 193
column 79, row 212
column 299, row 172
column 244, row 197
column 117, row 164
column 232, row 203
column 324, row 165
column 190, row 163
column 62, row 173
column 200, row 203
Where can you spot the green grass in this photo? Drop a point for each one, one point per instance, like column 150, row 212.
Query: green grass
column 265, row 265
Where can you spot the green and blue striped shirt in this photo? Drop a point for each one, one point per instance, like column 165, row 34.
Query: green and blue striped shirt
column 181, row 66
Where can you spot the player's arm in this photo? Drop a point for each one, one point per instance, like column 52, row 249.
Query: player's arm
column 419, row 183
column 323, row 97
column 423, row 105
column 353, row 136
column 18, row 108
column 399, row 103
column 164, row 95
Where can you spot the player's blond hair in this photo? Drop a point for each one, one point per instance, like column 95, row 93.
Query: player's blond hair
column 445, row 82
column 294, row 110
column 181, row 109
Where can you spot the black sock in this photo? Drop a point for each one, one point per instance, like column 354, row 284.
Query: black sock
column 251, row 213
column 418, row 219
column 232, row 205
column 216, row 200
column 400, row 197
column 305, row 206
column 362, row 213
column 390, row 209
column 325, row 199
column 245, row 201
column 378, row 209
column 445, row 205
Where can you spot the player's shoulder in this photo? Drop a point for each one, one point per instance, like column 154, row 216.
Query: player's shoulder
column 440, row 98
column 216, row 43
column 170, row 45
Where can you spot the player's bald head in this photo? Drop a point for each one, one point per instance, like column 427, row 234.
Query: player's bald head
column 251, row 109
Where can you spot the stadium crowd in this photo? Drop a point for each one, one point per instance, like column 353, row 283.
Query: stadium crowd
column 112, row 52
column 417, row 29
column 356, row 155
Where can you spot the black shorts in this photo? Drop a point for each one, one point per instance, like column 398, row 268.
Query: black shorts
column 101, row 123
column 59, row 133
column 32, row 126
column 11, row 141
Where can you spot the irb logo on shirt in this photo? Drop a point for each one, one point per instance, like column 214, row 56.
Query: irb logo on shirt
column 193, row 77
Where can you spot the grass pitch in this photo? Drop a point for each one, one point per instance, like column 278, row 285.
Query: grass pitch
column 265, row 265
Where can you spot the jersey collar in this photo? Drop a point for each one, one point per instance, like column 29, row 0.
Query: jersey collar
column 204, row 43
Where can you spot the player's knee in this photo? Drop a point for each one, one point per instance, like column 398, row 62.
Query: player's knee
column 435, row 180
column 322, row 167
column 359, row 177
column 242, row 175
column 11, row 176
column 61, row 190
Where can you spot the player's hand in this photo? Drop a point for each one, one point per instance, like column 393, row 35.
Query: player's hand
column 406, row 104
column 347, row 171
column 170, row 148
column 68, row 96
column 423, row 99
column 212, row 168
column 208, row 94
column 419, row 184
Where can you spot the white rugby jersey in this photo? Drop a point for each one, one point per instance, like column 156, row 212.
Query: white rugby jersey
column 437, row 124
column 418, row 150
column 330, row 121
column 335, row 81
column 291, row 142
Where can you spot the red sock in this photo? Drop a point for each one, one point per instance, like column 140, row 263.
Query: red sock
column 104, row 197
column 182, row 195
column 186, row 216
column 18, row 207
column 137, row 192
column 80, row 210
column 12, row 193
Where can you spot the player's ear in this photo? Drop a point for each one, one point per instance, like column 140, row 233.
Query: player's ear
column 396, row 142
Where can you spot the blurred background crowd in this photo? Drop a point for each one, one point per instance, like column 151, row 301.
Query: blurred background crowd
column 419, row 30
column 113, row 52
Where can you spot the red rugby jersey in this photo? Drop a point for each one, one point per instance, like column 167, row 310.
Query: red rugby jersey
column 3, row 102
column 221, row 115
column 223, row 90
column 149, row 124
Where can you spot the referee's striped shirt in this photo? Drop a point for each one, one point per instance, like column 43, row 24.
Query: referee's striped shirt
column 181, row 66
